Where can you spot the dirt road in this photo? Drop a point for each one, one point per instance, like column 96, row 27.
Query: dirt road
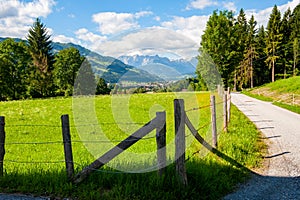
column 281, row 129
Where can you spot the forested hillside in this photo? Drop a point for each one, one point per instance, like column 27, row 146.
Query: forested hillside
column 247, row 55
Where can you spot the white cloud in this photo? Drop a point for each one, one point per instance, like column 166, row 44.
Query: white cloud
column 112, row 23
column 65, row 39
column 71, row 15
column 230, row 6
column 16, row 16
column 201, row 4
column 84, row 35
column 150, row 41
column 262, row 16
column 191, row 27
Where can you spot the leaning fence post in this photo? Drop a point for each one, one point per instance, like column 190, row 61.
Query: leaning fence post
column 179, row 114
column 213, row 121
column 2, row 143
column 161, row 142
column 225, row 120
column 67, row 145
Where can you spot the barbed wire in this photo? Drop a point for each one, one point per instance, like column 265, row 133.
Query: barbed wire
column 59, row 126
column 32, row 125
column 33, row 162
column 74, row 141
column 32, row 143
column 198, row 108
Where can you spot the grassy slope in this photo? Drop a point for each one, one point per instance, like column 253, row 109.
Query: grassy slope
column 209, row 176
column 284, row 93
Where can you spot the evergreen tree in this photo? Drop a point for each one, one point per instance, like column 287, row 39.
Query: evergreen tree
column 262, row 74
column 250, row 54
column 286, row 45
column 295, row 38
column 274, row 39
column 85, row 83
column 296, row 53
column 40, row 48
column 295, row 22
column 102, row 87
column 66, row 66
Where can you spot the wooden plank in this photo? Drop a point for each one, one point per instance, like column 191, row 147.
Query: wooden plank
column 179, row 114
column 213, row 121
column 2, row 143
column 67, row 146
column 115, row 151
column 161, row 142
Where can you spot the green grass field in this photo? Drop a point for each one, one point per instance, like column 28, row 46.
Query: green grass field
column 34, row 150
column 284, row 93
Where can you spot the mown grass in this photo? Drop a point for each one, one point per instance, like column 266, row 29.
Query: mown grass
column 258, row 96
column 209, row 176
column 284, row 93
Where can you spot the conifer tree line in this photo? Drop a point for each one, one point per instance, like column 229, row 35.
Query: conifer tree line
column 247, row 55
column 29, row 69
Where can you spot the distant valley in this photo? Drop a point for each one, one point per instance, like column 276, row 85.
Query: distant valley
column 138, row 69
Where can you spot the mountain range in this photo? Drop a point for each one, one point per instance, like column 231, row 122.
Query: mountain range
column 162, row 67
column 138, row 69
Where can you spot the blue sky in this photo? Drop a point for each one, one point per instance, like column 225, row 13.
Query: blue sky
column 127, row 27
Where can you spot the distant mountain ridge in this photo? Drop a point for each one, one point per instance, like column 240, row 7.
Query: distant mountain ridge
column 109, row 68
column 162, row 66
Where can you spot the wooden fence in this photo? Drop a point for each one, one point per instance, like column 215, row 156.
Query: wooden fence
column 182, row 120
column 158, row 123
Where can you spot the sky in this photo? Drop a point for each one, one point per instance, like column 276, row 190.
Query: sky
column 170, row 28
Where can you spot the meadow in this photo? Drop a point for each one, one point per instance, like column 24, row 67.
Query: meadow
column 284, row 93
column 34, row 160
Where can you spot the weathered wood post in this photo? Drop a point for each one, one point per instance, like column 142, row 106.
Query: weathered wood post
column 228, row 104
column 2, row 143
column 67, row 146
column 213, row 121
column 225, row 115
column 161, row 142
column 179, row 115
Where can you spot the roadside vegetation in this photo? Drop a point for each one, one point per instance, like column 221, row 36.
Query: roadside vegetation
column 284, row 93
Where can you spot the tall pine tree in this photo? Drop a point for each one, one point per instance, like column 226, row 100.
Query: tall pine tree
column 286, row 46
column 274, row 39
column 250, row 54
column 40, row 48
column 262, row 73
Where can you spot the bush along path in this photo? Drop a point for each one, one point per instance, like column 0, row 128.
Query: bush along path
column 280, row 177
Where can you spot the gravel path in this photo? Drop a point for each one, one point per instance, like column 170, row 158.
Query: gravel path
column 280, row 178
column 20, row 197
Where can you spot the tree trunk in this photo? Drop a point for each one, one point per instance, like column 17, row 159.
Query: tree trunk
column 273, row 71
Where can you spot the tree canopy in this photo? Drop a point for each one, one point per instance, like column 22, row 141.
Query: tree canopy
column 247, row 55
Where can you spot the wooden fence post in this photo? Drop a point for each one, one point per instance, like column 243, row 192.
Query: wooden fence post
column 161, row 142
column 67, row 145
column 228, row 104
column 213, row 121
column 2, row 143
column 225, row 121
column 179, row 114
